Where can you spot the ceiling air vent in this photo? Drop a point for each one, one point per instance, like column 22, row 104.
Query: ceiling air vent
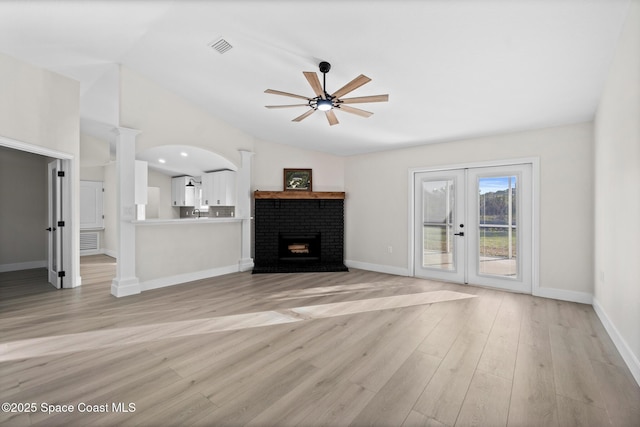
column 221, row 45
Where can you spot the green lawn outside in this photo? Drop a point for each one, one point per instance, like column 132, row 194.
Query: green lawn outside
column 494, row 242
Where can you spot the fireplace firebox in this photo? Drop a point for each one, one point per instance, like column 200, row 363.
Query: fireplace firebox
column 299, row 247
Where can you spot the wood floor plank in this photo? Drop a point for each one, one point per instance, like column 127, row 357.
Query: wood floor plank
column 499, row 355
column 416, row 419
column 393, row 403
column 486, row 402
column 574, row 413
column 436, row 363
column 443, row 396
column 620, row 393
column 533, row 395
column 573, row 372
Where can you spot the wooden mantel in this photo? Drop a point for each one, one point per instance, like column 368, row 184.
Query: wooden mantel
column 299, row 195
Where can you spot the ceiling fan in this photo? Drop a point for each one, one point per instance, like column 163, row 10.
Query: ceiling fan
column 326, row 102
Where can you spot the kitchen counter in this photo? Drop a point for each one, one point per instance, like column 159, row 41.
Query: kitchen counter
column 183, row 221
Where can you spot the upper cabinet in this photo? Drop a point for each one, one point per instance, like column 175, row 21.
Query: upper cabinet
column 219, row 188
column 181, row 195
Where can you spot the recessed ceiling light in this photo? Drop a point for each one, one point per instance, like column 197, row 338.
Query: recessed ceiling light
column 162, row 161
column 183, row 154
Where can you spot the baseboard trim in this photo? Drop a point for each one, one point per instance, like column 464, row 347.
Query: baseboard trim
column 378, row 268
column 125, row 287
column 178, row 279
column 23, row 266
column 92, row 252
column 627, row 355
column 563, row 295
column 112, row 254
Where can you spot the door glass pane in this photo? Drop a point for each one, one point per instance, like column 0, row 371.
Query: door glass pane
column 437, row 221
column 497, row 229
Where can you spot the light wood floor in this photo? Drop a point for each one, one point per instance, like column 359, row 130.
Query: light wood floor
column 355, row 348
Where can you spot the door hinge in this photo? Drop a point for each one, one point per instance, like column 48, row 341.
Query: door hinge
column 61, row 274
column 60, row 173
column 60, row 223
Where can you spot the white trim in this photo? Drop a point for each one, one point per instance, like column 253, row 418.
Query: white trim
column 563, row 295
column 111, row 253
column 23, row 266
column 178, row 279
column 35, row 149
column 379, row 268
column 535, row 193
column 124, row 287
column 91, row 252
column 245, row 264
column 618, row 340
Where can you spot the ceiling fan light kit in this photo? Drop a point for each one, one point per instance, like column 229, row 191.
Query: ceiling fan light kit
column 326, row 102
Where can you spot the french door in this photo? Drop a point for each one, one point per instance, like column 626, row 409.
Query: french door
column 474, row 226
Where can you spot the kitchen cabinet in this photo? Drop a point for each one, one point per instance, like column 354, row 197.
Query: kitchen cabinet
column 219, row 188
column 181, row 195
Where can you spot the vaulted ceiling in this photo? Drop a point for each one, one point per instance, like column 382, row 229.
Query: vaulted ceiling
column 453, row 69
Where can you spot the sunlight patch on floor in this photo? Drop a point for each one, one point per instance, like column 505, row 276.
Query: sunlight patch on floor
column 43, row 346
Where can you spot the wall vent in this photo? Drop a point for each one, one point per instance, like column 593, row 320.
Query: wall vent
column 89, row 241
column 221, row 45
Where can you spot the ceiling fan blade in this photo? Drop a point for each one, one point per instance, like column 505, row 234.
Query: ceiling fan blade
column 304, row 116
column 331, row 116
column 362, row 99
column 293, row 95
column 357, row 111
column 286, row 106
column 314, row 81
column 351, row 86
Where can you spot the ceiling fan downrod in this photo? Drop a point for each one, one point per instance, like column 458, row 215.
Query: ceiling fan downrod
column 327, row 103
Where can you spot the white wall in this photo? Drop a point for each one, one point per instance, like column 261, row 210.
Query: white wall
column 163, row 182
column 270, row 159
column 377, row 199
column 42, row 109
column 617, row 201
column 191, row 250
column 23, row 211
column 165, row 118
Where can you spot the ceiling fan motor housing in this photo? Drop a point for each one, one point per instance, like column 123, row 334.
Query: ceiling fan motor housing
column 324, row 67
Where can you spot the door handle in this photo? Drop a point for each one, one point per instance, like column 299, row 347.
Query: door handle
column 461, row 234
column 48, row 229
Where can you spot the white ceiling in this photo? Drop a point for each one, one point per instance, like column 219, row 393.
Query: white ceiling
column 453, row 69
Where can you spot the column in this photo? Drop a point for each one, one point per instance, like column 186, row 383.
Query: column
column 126, row 283
column 243, row 209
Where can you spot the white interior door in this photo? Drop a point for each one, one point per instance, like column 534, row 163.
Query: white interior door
column 475, row 226
column 54, row 257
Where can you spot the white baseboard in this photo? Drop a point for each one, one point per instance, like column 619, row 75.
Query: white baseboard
column 92, row 252
column 112, row 254
column 564, row 295
column 178, row 279
column 629, row 357
column 125, row 287
column 23, row 266
column 378, row 268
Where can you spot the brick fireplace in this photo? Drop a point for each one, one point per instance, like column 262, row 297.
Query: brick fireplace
column 298, row 232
